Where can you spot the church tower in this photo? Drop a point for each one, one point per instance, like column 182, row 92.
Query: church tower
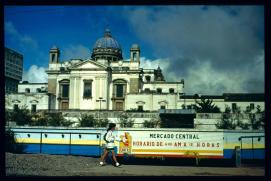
column 135, row 53
column 54, row 55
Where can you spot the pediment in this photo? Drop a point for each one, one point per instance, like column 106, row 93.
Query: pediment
column 88, row 64
column 140, row 102
column 163, row 102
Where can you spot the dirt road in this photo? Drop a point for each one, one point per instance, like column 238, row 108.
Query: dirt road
column 61, row 165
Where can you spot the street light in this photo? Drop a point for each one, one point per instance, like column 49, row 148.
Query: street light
column 100, row 100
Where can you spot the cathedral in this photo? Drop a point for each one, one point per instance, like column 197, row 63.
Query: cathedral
column 105, row 81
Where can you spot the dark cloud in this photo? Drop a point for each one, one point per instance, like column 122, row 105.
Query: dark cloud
column 226, row 40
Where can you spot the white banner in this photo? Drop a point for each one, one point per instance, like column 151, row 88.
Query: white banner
column 170, row 143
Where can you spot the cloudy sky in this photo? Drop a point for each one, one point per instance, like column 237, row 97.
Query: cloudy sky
column 215, row 49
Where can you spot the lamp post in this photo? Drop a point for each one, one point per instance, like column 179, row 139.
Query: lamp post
column 100, row 100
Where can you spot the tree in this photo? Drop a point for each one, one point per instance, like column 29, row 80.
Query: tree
column 125, row 122
column 57, row 119
column 257, row 123
column 38, row 120
column 87, row 121
column 259, row 110
column 226, row 122
column 104, row 123
column 21, row 116
column 206, row 106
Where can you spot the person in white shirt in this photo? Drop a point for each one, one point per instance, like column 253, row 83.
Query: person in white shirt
column 109, row 137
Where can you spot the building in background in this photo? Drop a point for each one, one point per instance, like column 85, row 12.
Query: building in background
column 34, row 96
column 13, row 70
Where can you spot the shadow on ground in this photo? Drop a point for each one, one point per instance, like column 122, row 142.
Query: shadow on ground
column 186, row 162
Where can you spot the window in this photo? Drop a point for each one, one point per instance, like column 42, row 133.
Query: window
column 159, row 90
column 65, row 91
column 87, row 89
column 134, row 56
column 53, row 57
column 140, row 108
column 33, row 108
column 171, row 90
column 162, row 107
column 38, row 90
column 251, row 106
column 27, row 90
column 15, row 107
column 234, row 107
column 148, row 78
column 119, row 90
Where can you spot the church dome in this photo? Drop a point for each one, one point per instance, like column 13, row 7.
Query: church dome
column 107, row 48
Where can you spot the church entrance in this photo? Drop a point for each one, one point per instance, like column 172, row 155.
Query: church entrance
column 119, row 92
column 119, row 106
column 65, row 105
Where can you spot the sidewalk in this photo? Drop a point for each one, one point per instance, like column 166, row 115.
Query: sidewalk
column 61, row 165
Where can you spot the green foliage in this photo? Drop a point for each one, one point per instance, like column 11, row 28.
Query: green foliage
column 57, row 119
column 8, row 116
column 243, row 125
column 256, row 124
column 151, row 124
column 10, row 143
column 87, row 121
column 126, row 122
column 136, row 110
column 104, row 123
column 206, row 106
column 227, row 109
column 21, row 116
column 259, row 110
column 39, row 121
column 226, row 122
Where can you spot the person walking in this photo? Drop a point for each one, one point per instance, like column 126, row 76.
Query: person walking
column 110, row 138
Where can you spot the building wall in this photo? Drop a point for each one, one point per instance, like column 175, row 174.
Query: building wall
column 41, row 100
column 223, row 104
column 178, row 87
column 13, row 70
column 151, row 102
column 32, row 87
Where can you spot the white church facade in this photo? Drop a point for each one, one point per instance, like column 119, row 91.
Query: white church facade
column 107, row 82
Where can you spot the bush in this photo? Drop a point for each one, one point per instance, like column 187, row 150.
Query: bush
column 151, row 124
column 10, row 143
column 226, row 122
column 126, row 122
column 104, row 123
column 21, row 116
column 87, row 121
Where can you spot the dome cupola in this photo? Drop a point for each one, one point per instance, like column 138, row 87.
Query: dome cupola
column 107, row 48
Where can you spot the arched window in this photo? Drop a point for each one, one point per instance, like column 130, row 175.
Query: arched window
column 159, row 90
column 119, row 88
column 148, row 78
column 171, row 90
column 64, row 88
column 27, row 90
column 38, row 90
